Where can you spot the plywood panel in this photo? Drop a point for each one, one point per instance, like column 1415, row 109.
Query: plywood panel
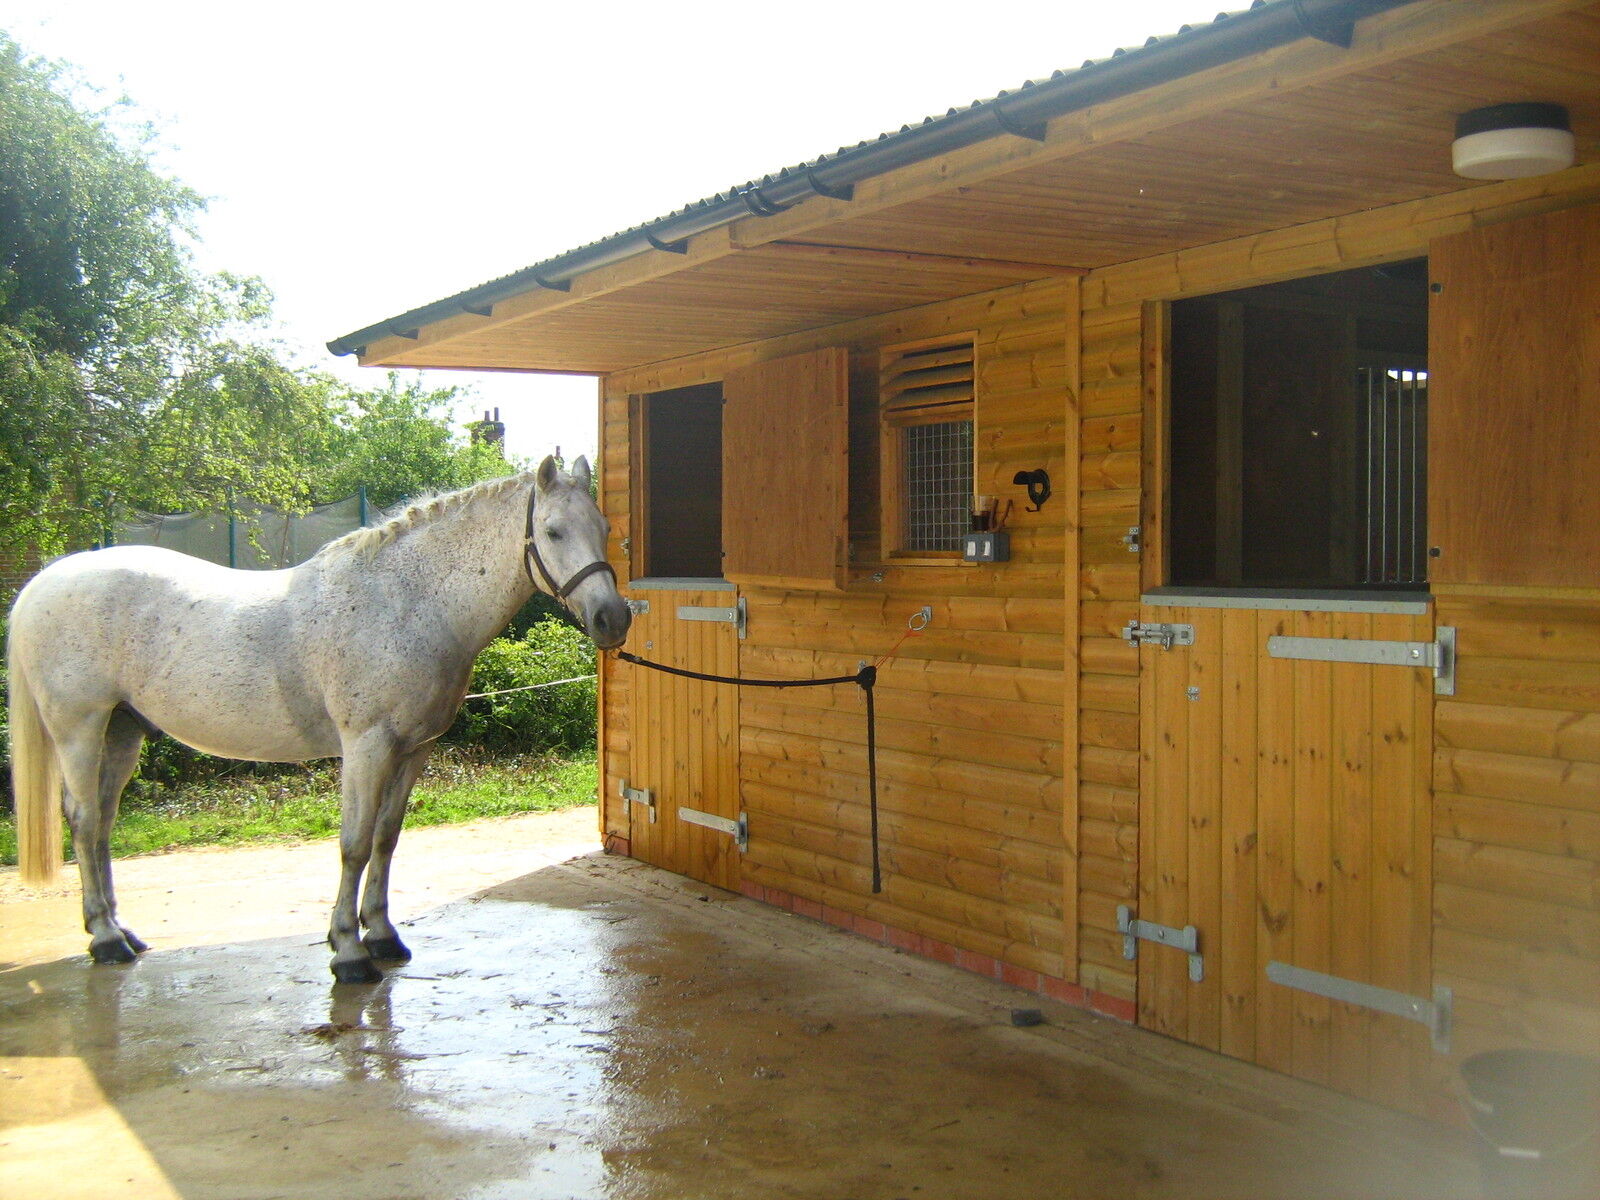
column 785, row 485
column 1515, row 366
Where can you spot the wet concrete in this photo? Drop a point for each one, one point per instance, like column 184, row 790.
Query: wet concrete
column 580, row 1026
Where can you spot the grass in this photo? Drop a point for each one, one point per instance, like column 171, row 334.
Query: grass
column 299, row 803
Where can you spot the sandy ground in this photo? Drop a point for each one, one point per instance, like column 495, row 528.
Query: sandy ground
column 581, row 1026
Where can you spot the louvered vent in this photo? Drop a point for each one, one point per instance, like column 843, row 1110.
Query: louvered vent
column 927, row 383
column 926, row 392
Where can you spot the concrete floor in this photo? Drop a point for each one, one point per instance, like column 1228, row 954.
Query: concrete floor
column 581, row 1026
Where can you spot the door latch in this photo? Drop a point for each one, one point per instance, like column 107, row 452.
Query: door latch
column 1186, row 939
column 1140, row 633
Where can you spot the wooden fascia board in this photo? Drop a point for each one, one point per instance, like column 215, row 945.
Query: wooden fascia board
column 1381, row 39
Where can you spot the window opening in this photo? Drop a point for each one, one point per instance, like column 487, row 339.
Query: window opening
column 1299, row 433
column 926, row 400
column 681, row 440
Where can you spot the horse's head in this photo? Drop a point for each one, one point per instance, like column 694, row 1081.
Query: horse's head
column 568, row 533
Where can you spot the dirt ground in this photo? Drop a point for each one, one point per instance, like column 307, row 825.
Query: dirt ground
column 580, row 1026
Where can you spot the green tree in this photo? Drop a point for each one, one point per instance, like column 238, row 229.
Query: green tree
column 395, row 442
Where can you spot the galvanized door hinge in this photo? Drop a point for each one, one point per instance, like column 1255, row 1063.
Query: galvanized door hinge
column 1436, row 1014
column 1439, row 655
column 1131, row 539
column 737, row 615
column 639, row 607
column 1186, row 939
column 644, row 796
column 1140, row 633
column 738, row 829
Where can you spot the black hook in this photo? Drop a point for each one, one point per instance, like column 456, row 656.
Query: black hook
column 1038, row 485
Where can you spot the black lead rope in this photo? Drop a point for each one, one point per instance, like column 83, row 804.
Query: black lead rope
column 864, row 679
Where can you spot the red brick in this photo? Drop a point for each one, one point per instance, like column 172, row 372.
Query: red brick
column 868, row 928
column 837, row 916
column 1113, row 1006
column 938, row 951
column 753, row 890
column 902, row 940
column 808, row 908
column 1021, row 977
column 978, row 964
column 1068, row 993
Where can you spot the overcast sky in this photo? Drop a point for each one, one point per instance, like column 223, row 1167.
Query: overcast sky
column 367, row 158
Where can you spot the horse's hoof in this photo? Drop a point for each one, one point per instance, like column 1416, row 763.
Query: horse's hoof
column 388, row 949
column 358, row 970
column 112, row 950
column 135, row 943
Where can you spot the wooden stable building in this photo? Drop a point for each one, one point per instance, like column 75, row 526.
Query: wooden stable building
column 1297, row 666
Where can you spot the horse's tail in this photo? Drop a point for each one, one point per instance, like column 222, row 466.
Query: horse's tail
column 35, row 781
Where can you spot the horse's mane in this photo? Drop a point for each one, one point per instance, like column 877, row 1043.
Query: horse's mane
column 416, row 512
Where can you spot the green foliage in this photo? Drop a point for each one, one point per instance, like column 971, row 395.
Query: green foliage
column 549, row 718
column 129, row 380
column 303, row 802
column 392, row 441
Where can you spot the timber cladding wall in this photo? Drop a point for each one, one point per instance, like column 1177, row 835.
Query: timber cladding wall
column 969, row 711
column 1516, row 773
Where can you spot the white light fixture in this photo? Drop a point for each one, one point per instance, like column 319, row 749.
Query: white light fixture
column 1512, row 141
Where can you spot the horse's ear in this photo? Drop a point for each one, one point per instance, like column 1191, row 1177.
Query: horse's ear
column 581, row 475
column 546, row 478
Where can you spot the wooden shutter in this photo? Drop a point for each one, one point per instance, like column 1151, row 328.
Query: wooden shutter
column 785, row 471
column 1514, row 426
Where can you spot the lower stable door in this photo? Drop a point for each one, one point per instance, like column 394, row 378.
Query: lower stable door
column 1284, row 841
column 683, row 783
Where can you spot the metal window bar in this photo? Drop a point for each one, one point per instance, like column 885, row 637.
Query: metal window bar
column 1396, row 398
column 938, row 484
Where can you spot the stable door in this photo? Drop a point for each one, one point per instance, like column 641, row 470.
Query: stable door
column 1282, row 913
column 682, row 790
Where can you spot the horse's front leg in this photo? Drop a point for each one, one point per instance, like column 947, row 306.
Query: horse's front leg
column 370, row 765
column 383, row 940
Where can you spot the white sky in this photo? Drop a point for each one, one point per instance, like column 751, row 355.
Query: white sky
column 368, row 158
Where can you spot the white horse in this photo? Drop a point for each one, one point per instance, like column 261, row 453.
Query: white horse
column 363, row 652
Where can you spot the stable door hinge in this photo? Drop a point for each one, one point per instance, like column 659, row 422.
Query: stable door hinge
column 738, row 829
column 737, row 615
column 1436, row 1014
column 1140, row 633
column 1439, row 655
column 1186, row 939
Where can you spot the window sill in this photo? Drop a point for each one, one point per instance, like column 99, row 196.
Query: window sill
column 1290, row 599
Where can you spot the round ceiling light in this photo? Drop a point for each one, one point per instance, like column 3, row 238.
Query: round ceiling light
column 1512, row 141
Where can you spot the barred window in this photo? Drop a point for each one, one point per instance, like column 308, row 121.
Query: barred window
column 925, row 392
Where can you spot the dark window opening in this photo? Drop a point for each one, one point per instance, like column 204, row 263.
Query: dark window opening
column 682, row 483
column 1299, row 433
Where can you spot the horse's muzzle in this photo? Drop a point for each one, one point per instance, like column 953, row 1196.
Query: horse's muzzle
column 608, row 623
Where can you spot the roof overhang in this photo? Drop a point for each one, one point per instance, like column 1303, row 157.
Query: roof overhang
column 1305, row 131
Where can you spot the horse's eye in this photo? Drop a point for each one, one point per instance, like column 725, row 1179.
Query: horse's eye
column 553, row 533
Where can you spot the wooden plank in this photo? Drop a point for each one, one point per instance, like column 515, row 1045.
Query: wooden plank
column 1071, row 628
column 1238, row 972
column 1203, row 817
column 1275, row 757
column 1154, row 467
column 1350, row 878
column 1312, row 920
column 802, row 403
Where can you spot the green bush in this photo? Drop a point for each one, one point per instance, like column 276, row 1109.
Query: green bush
column 561, row 717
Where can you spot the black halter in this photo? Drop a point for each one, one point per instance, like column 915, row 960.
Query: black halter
column 531, row 559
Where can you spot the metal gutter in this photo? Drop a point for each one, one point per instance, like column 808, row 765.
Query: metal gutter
column 1023, row 113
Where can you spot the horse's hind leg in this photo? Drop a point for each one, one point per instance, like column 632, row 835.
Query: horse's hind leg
column 98, row 757
column 124, row 739
column 383, row 940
